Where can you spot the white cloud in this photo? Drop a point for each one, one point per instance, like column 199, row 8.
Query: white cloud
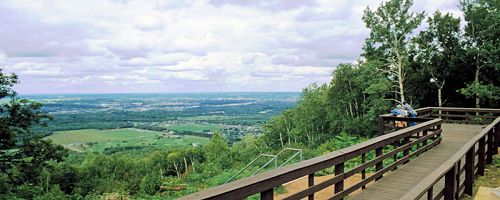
column 177, row 45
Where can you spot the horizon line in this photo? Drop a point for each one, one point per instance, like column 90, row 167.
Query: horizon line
column 208, row 92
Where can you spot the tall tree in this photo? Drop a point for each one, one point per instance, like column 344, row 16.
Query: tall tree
column 356, row 98
column 438, row 49
column 217, row 150
column 391, row 26
column 23, row 155
column 483, row 45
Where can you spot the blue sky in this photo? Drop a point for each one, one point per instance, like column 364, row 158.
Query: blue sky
column 128, row 46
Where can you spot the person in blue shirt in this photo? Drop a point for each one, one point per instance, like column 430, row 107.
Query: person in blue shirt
column 411, row 112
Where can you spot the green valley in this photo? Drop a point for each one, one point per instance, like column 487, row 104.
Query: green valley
column 92, row 140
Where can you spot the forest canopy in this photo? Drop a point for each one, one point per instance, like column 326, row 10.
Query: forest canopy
column 426, row 59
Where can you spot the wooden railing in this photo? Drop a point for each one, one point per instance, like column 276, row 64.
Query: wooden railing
column 406, row 144
column 465, row 115
column 481, row 148
column 448, row 114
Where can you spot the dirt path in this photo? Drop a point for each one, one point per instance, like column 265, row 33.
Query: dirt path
column 72, row 148
column 301, row 184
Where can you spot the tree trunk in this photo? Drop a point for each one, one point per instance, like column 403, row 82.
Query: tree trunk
column 177, row 170
column 400, row 81
column 185, row 165
column 192, row 164
column 281, row 140
column 440, row 100
column 476, row 82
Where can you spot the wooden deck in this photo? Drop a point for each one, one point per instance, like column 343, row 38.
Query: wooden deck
column 431, row 158
column 395, row 184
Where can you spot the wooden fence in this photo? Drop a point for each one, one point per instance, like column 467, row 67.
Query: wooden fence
column 470, row 159
column 406, row 144
column 416, row 138
column 448, row 114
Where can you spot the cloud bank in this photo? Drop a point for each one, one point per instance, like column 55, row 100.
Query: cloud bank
column 101, row 46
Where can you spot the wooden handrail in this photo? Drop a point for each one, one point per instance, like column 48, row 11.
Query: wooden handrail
column 458, row 109
column 264, row 183
column 448, row 114
column 429, row 181
column 403, row 140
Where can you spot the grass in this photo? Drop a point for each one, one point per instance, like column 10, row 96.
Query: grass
column 198, row 128
column 491, row 177
column 98, row 140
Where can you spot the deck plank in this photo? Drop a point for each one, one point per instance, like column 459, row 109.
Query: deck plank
column 395, row 184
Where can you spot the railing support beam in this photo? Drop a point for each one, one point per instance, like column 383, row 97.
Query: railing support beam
column 379, row 165
column 496, row 134
column 380, row 126
column 267, row 195
column 450, row 183
column 480, row 155
column 339, row 169
column 489, row 153
column 430, row 195
column 406, row 140
column 310, row 183
column 469, row 172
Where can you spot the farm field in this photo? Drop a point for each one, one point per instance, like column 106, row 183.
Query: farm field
column 198, row 128
column 92, row 140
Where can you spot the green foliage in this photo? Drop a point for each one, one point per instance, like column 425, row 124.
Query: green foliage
column 23, row 156
column 357, row 97
column 483, row 47
column 391, row 27
column 327, row 117
column 482, row 91
column 217, row 150
column 350, row 103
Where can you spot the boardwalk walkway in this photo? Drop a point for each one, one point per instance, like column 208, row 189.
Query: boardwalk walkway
column 438, row 157
column 395, row 184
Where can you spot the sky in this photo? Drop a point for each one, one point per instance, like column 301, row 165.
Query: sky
column 161, row 46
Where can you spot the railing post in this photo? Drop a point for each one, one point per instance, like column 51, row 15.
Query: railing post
column 430, row 195
column 450, row 183
column 496, row 133
column 310, row 183
column 380, row 125
column 457, row 176
column 424, row 133
column 406, row 140
column 469, row 171
column 339, row 186
column 438, row 128
column 379, row 165
column 480, row 155
column 489, row 153
column 395, row 156
column 363, row 172
column 267, row 195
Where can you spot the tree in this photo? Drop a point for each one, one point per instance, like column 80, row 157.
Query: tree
column 277, row 131
column 23, row 155
column 356, row 97
column 438, row 49
column 483, row 45
column 217, row 150
column 311, row 118
column 391, row 26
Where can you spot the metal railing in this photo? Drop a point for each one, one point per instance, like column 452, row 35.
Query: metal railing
column 298, row 152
